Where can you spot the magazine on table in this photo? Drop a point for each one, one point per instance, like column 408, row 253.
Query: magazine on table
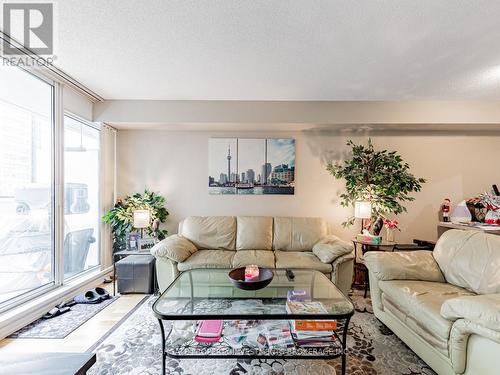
column 279, row 334
column 312, row 338
column 245, row 333
column 307, row 308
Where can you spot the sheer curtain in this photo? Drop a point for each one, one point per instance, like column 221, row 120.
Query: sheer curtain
column 108, row 189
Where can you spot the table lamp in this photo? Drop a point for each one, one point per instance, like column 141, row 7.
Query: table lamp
column 362, row 210
column 141, row 219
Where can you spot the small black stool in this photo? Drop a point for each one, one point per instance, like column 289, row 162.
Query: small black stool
column 136, row 274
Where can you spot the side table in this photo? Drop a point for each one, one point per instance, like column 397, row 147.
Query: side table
column 360, row 270
column 125, row 253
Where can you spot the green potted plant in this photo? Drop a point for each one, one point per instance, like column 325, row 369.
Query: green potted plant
column 121, row 217
column 379, row 177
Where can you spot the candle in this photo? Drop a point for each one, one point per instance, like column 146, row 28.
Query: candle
column 251, row 272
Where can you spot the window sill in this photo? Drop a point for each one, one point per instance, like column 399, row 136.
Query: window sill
column 18, row 317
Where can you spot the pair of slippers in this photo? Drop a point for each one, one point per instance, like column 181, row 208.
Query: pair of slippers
column 93, row 296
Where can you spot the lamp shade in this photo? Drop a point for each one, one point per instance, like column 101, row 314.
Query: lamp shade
column 362, row 210
column 141, row 218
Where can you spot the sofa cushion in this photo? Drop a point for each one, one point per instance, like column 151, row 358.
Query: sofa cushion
column 420, row 302
column 298, row 233
column 262, row 258
column 404, row 265
column 254, row 232
column 174, row 247
column 300, row 260
column 330, row 248
column 210, row 232
column 483, row 309
column 208, row 259
column 470, row 259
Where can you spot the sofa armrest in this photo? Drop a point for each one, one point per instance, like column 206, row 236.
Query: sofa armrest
column 342, row 272
column 174, row 247
column 331, row 248
column 415, row 265
column 482, row 309
column 460, row 332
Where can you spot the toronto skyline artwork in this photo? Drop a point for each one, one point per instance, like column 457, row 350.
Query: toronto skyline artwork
column 251, row 166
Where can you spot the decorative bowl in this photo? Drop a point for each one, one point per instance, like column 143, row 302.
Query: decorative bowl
column 237, row 277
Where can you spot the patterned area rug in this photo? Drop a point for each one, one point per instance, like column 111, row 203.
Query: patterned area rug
column 61, row 326
column 134, row 348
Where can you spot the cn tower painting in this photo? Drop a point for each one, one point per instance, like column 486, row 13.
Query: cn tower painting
column 251, row 166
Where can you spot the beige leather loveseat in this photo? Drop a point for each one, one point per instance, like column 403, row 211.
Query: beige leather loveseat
column 274, row 242
column 445, row 305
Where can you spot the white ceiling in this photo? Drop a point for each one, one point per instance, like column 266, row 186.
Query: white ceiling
column 282, row 50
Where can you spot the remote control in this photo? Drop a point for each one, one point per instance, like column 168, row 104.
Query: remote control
column 290, row 275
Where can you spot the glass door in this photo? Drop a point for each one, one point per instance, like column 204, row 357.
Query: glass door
column 81, row 196
column 26, row 183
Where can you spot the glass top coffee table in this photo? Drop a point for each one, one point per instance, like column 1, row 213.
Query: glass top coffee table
column 208, row 294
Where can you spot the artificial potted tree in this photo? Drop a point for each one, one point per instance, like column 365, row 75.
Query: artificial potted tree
column 121, row 217
column 379, row 177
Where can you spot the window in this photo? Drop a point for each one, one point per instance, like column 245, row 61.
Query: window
column 26, row 183
column 81, row 196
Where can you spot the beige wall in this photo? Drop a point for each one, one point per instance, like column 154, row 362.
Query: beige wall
column 175, row 164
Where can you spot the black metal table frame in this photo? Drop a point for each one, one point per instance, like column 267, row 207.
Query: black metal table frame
column 165, row 336
column 125, row 253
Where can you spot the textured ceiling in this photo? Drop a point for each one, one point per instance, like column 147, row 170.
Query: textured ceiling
column 282, row 50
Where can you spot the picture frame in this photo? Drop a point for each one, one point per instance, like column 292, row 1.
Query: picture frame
column 145, row 244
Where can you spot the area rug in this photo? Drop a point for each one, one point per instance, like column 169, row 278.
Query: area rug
column 61, row 326
column 134, row 348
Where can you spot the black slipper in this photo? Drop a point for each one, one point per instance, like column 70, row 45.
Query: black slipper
column 56, row 312
column 88, row 297
column 102, row 293
column 66, row 304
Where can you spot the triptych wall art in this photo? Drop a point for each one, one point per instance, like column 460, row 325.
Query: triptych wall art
column 251, row 166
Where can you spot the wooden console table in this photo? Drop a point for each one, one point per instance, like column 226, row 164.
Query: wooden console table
column 443, row 227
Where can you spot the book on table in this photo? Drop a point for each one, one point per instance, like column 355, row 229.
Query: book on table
column 310, row 339
column 305, row 332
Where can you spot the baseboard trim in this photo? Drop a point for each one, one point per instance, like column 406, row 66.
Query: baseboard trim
column 18, row 317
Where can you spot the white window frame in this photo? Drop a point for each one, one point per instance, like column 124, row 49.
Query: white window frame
column 57, row 201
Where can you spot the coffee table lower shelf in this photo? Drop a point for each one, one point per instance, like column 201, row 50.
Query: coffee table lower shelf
column 222, row 350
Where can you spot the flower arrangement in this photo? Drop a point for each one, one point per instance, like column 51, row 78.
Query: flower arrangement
column 391, row 224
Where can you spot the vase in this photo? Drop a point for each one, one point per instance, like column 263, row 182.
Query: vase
column 390, row 235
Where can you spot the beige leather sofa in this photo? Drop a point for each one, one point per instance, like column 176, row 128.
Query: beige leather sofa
column 445, row 305
column 230, row 242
